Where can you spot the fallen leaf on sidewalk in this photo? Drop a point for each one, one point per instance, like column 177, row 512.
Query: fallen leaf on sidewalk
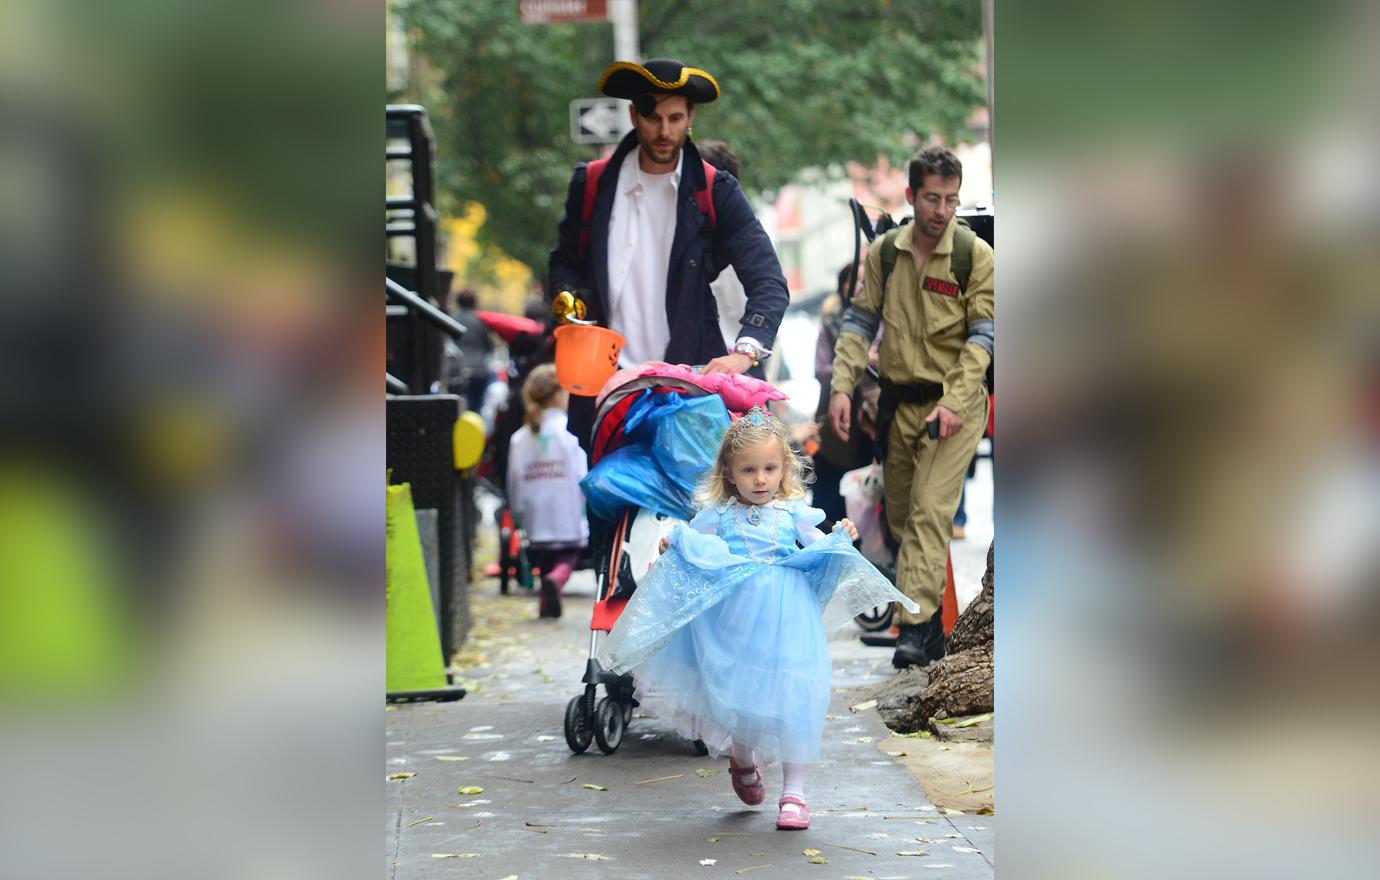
column 705, row 774
column 469, row 789
column 866, row 852
column 880, row 835
column 752, row 868
column 595, row 787
column 509, row 877
column 964, row 849
column 946, row 720
column 659, row 779
column 919, row 734
column 952, row 812
column 454, row 855
column 911, row 852
column 712, row 839
column 589, row 857
column 897, row 754
column 814, row 857
column 393, row 776
column 482, row 736
column 863, row 706
column 842, row 810
column 419, row 821
column 709, row 862
column 450, row 758
column 390, row 708
column 974, row 720
column 985, row 811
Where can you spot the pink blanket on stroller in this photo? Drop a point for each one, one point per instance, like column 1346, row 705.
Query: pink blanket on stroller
column 739, row 393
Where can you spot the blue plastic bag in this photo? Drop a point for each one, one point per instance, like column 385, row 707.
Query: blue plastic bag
column 644, row 414
column 671, row 440
column 631, row 475
column 688, row 438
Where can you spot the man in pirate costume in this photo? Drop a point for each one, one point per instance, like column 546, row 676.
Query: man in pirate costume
column 648, row 229
column 929, row 284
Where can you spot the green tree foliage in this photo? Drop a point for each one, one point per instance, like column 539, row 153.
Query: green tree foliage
column 806, row 84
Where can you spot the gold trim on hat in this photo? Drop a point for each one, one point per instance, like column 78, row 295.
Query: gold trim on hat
column 685, row 73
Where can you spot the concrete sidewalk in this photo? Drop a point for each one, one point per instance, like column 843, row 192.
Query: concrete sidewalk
column 660, row 810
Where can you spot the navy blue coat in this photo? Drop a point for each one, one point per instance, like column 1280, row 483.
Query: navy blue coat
column 737, row 240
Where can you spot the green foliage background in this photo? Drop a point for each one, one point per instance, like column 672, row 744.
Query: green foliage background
column 806, row 84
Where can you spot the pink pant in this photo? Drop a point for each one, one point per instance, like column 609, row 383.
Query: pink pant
column 556, row 564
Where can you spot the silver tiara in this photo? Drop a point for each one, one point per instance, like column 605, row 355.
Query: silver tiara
column 757, row 417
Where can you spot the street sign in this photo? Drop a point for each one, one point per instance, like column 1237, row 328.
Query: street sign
column 543, row 11
column 598, row 120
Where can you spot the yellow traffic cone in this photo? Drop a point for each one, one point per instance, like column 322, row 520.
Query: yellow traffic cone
column 414, row 644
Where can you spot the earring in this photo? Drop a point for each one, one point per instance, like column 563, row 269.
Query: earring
column 690, row 131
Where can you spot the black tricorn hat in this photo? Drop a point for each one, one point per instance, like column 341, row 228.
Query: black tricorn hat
column 659, row 76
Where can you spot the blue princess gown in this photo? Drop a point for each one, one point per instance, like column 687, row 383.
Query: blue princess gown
column 728, row 628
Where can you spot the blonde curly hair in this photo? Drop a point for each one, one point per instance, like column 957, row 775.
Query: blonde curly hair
column 717, row 485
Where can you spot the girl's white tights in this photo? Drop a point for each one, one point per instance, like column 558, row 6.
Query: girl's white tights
column 793, row 779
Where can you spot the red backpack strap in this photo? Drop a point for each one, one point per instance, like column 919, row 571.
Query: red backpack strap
column 705, row 197
column 592, row 172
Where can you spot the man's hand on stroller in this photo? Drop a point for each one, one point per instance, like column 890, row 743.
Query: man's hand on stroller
column 847, row 526
column 729, row 363
column 661, row 548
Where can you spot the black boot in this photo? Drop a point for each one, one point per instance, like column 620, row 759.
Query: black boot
column 550, row 604
column 932, row 636
column 910, row 649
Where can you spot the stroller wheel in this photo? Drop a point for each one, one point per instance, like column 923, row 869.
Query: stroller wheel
column 700, row 748
column 877, row 619
column 608, row 725
column 627, row 714
column 577, row 732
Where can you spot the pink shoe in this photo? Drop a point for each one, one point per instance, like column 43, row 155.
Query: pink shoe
column 796, row 819
column 750, row 793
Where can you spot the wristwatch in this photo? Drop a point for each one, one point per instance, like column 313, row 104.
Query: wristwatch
column 755, row 354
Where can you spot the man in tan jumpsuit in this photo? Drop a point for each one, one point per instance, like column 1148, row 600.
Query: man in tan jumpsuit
column 938, row 341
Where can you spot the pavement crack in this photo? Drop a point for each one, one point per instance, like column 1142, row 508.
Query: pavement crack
column 970, row 843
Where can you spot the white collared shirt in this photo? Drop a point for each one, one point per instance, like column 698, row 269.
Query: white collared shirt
column 641, row 230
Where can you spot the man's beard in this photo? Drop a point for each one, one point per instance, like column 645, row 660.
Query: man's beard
column 669, row 156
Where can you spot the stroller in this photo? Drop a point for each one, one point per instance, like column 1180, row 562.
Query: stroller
column 672, row 398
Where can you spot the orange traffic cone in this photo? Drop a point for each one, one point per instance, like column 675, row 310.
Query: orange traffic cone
column 950, row 601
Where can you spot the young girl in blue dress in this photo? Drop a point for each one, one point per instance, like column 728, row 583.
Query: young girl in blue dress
column 728, row 628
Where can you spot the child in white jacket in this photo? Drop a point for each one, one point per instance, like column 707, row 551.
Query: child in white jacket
column 545, row 465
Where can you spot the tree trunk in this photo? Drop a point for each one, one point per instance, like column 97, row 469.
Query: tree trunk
column 961, row 683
